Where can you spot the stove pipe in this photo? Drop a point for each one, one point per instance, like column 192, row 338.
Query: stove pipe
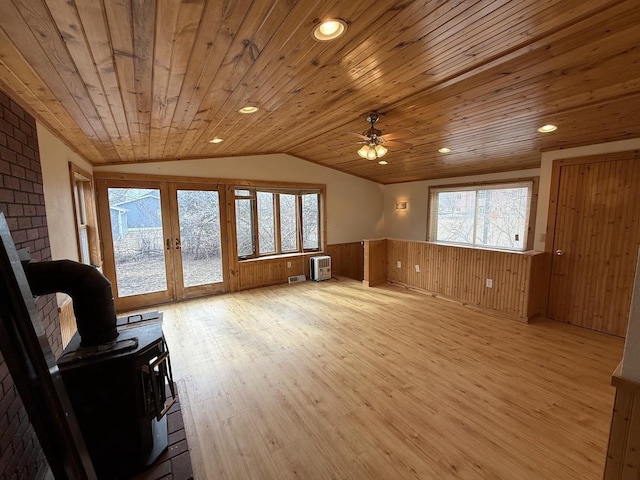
column 88, row 288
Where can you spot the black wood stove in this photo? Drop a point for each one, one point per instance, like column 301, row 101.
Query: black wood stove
column 119, row 397
column 115, row 371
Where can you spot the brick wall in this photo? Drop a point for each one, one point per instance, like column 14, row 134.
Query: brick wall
column 22, row 202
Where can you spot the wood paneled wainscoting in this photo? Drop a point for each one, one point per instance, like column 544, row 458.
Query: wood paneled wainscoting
column 347, row 259
column 519, row 280
column 624, row 439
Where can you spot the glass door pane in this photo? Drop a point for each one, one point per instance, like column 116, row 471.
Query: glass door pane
column 200, row 238
column 138, row 247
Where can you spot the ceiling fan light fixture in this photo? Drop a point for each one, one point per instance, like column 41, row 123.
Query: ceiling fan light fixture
column 248, row 109
column 547, row 128
column 380, row 150
column 363, row 151
column 329, row 29
column 371, row 153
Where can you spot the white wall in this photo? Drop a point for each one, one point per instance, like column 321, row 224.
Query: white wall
column 354, row 205
column 54, row 158
column 411, row 224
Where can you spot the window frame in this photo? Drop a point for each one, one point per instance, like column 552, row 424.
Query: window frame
column 84, row 213
column 488, row 185
column 252, row 196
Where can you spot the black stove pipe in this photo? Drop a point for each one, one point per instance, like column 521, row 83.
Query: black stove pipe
column 88, row 288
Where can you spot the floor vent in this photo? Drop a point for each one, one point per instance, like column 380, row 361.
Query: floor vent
column 297, row 278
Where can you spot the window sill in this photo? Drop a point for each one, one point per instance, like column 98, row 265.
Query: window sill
column 475, row 247
column 280, row 256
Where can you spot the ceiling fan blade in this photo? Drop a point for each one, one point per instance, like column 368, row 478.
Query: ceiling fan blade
column 400, row 145
column 359, row 135
column 399, row 135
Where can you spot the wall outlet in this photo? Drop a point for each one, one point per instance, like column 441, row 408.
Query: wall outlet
column 288, row 264
column 417, row 268
column 489, row 283
column 399, row 264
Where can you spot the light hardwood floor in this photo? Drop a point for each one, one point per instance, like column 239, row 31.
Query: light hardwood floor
column 336, row 380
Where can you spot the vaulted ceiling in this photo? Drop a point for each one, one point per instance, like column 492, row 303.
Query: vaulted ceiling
column 126, row 81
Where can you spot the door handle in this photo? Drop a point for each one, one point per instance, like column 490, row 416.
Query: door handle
column 178, row 244
column 560, row 252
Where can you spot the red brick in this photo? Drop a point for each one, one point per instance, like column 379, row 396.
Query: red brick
column 3, row 139
column 19, row 236
column 181, row 468
column 6, row 127
column 7, row 436
column 29, row 152
column 16, row 211
column 21, row 197
column 32, row 176
column 26, row 128
column 23, row 161
column 30, row 210
column 13, row 223
column 26, row 185
column 18, row 171
column 34, row 199
column 12, row 118
column 6, row 153
column 32, row 234
column 20, row 136
column 16, row 109
column 12, row 182
column 24, row 223
column 14, row 145
column 6, row 196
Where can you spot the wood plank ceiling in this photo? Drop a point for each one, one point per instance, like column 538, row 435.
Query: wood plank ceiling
column 126, row 81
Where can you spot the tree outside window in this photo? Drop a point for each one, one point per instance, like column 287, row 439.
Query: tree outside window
column 276, row 222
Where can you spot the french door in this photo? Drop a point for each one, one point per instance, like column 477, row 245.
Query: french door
column 162, row 240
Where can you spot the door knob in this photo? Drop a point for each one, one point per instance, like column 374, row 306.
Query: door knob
column 559, row 252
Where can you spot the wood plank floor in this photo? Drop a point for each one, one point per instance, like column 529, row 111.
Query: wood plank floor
column 336, row 380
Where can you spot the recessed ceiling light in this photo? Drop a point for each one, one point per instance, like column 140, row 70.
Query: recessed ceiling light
column 329, row 29
column 444, row 150
column 547, row 128
column 216, row 140
column 248, row 109
column 383, row 162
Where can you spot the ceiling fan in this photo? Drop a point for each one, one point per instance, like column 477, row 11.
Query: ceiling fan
column 374, row 144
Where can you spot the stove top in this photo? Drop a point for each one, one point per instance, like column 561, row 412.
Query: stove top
column 134, row 333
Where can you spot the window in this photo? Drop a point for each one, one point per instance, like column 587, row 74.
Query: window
column 485, row 216
column 84, row 210
column 277, row 221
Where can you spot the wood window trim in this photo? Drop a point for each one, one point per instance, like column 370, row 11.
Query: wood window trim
column 77, row 174
column 291, row 189
column 533, row 208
